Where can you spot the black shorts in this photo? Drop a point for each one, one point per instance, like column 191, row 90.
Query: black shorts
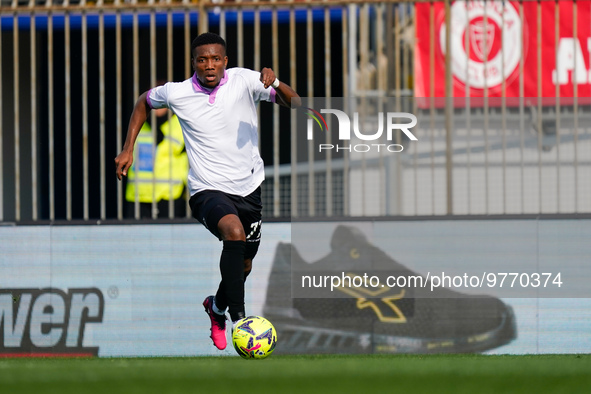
column 209, row 206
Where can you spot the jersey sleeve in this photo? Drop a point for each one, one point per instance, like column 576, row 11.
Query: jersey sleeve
column 258, row 89
column 158, row 97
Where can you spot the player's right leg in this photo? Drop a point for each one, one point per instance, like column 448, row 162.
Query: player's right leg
column 217, row 212
column 231, row 290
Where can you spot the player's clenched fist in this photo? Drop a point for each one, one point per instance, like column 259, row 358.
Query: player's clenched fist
column 267, row 77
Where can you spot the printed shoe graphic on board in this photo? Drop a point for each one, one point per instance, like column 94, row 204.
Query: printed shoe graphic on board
column 391, row 320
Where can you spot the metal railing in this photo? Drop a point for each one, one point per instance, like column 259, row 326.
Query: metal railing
column 71, row 71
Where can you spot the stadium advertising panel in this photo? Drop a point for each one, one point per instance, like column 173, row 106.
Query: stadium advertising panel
column 490, row 39
column 136, row 290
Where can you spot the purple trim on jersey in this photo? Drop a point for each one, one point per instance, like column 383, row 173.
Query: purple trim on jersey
column 197, row 85
column 148, row 99
column 211, row 92
column 272, row 97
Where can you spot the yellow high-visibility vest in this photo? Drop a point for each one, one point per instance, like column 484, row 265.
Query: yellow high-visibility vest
column 161, row 175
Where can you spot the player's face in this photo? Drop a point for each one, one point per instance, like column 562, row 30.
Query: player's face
column 209, row 62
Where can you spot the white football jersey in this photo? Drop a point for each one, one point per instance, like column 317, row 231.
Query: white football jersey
column 220, row 128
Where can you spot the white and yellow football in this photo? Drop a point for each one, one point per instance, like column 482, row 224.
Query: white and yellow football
column 254, row 337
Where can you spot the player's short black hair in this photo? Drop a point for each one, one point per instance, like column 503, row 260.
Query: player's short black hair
column 207, row 38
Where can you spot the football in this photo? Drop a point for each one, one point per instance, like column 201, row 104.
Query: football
column 254, row 337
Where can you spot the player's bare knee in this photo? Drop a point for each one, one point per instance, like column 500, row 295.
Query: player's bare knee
column 231, row 229
column 234, row 234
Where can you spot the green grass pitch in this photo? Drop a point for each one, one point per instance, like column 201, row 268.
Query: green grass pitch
column 301, row 374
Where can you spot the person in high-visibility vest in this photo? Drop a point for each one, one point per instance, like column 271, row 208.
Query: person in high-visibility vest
column 158, row 175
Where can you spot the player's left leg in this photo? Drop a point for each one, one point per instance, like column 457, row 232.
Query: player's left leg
column 250, row 251
column 251, row 218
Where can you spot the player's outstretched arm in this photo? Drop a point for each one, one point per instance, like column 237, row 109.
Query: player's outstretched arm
column 140, row 114
column 286, row 96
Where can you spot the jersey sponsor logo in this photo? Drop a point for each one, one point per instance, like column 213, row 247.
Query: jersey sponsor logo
column 48, row 321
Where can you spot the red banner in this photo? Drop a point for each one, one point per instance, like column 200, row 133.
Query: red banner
column 489, row 41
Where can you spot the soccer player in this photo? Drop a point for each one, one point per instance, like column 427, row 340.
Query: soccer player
column 217, row 112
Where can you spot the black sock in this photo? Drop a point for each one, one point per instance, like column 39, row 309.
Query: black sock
column 231, row 290
column 220, row 296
